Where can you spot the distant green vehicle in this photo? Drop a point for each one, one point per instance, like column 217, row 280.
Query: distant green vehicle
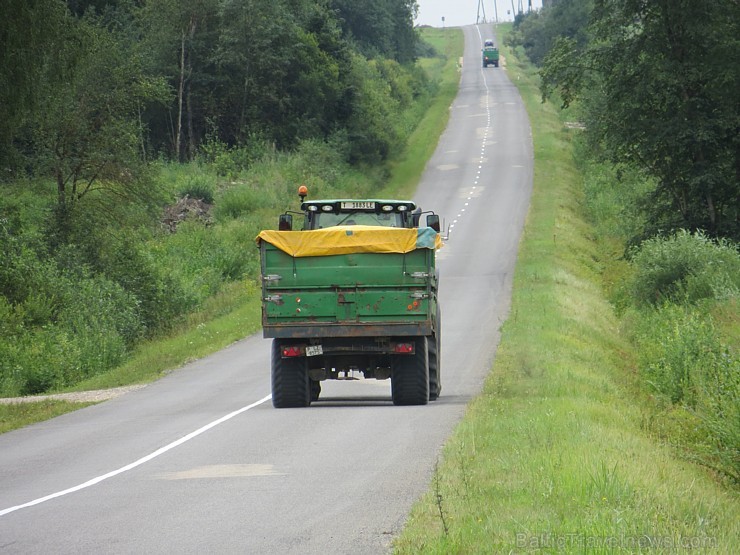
column 490, row 54
column 354, row 291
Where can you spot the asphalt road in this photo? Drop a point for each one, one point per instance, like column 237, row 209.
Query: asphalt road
column 201, row 462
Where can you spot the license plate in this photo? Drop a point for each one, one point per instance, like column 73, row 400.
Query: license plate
column 314, row 350
column 357, row 205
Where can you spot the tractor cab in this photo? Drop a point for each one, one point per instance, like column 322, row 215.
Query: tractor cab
column 320, row 214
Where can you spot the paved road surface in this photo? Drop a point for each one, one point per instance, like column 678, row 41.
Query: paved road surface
column 200, row 461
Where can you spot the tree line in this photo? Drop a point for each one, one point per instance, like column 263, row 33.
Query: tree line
column 656, row 84
column 91, row 89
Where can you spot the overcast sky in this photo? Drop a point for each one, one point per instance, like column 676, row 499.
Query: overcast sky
column 465, row 12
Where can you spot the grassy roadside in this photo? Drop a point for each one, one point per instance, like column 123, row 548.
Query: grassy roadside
column 235, row 312
column 553, row 456
column 226, row 318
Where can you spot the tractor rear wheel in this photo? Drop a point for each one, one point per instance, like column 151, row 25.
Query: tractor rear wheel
column 290, row 384
column 410, row 375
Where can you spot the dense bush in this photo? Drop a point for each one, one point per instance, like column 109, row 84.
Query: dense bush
column 683, row 359
column 59, row 327
column 685, row 267
column 679, row 350
column 229, row 161
column 198, row 187
column 612, row 196
column 370, row 128
column 674, row 285
column 158, row 292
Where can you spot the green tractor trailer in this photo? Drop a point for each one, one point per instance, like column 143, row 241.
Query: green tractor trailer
column 490, row 54
column 353, row 291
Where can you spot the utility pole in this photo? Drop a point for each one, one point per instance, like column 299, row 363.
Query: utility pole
column 495, row 11
column 481, row 7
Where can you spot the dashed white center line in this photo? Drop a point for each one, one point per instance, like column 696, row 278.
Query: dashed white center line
column 486, row 131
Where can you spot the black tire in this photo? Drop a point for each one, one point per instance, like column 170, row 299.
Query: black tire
column 435, row 358
column 315, row 386
column 435, row 384
column 290, row 387
column 410, row 376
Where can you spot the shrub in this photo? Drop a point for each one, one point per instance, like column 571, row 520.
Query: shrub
column 683, row 359
column 35, row 362
column 229, row 161
column 157, row 292
column 240, row 200
column 677, row 348
column 20, row 262
column 87, row 336
column 96, row 307
column 203, row 259
column 612, row 195
column 685, row 267
column 370, row 129
column 200, row 188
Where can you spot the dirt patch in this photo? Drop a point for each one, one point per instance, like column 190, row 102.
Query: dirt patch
column 184, row 209
column 74, row 397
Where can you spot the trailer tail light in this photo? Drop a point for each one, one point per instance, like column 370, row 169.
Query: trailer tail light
column 292, row 351
column 404, row 348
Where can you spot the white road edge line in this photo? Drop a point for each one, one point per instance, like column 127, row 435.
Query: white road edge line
column 134, row 464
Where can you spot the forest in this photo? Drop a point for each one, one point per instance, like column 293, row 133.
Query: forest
column 656, row 83
column 163, row 77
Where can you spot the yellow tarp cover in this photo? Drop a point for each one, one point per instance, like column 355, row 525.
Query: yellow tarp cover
column 351, row 239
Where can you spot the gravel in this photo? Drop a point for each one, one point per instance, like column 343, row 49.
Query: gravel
column 74, row 397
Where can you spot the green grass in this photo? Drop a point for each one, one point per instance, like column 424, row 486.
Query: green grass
column 227, row 317
column 553, row 456
column 231, row 315
column 18, row 415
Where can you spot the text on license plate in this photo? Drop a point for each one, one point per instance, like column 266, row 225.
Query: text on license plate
column 358, row 205
column 314, row 350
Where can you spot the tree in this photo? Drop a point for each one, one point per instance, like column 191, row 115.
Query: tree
column 85, row 132
column 258, row 49
column 659, row 84
column 29, row 34
column 537, row 31
column 178, row 36
column 383, row 28
column 370, row 127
